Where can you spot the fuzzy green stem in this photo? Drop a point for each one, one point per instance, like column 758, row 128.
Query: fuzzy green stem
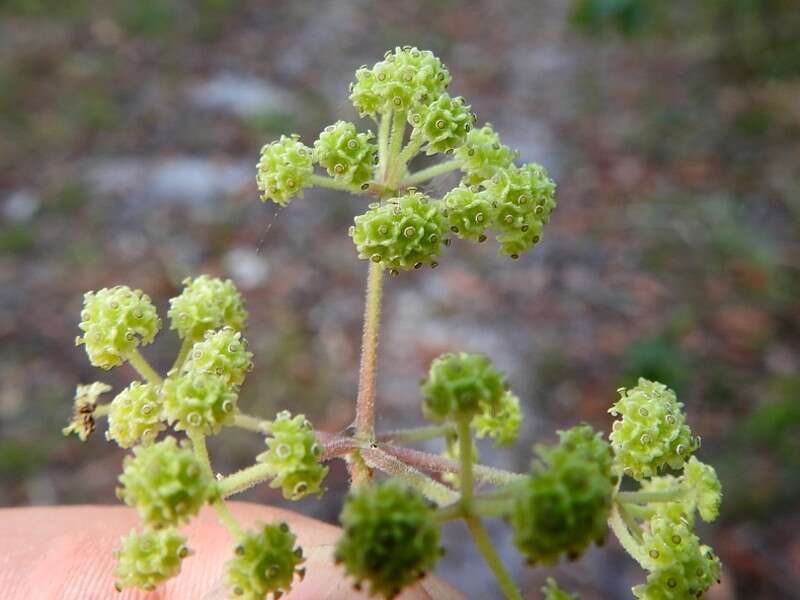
column 250, row 423
column 433, row 490
column 186, row 346
column 332, row 184
column 626, row 539
column 411, row 150
column 645, row 497
column 365, row 401
column 415, row 434
column 227, row 519
column 431, row 172
column 486, row 548
column 465, row 458
column 244, row 479
column 143, row 367
column 383, row 145
column 394, row 168
column 630, row 523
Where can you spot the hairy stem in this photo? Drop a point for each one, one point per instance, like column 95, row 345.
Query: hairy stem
column 390, row 465
column 332, row 184
column 143, row 367
column 383, row 145
column 250, row 423
column 186, row 346
column 365, row 402
column 465, row 458
column 410, row 151
column 431, row 172
column 645, row 497
column 394, row 168
column 626, row 539
column 486, row 548
column 415, row 434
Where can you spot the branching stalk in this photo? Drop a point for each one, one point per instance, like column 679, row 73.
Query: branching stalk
column 487, row 550
column 430, row 172
column 332, row 184
column 390, row 465
column 143, row 367
column 645, row 497
column 415, row 434
column 365, row 401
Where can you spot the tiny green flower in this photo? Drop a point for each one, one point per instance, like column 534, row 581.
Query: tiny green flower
column 551, row 591
column 565, row 502
column 703, row 488
column 390, row 537
column 206, row 303
column 651, row 432
column 265, row 561
column 482, row 155
column 468, row 213
column 443, row 124
column 115, row 322
column 199, row 402
column 149, row 558
column 405, row 79
column 293, row 456
column 285, row 168
column 461, row 386
column 222, row 353
column 82, row 422
column 500, row 423
column 400, row 233
column 348, row 156
column 165, row 483
column 135, row 415
column 523, row 198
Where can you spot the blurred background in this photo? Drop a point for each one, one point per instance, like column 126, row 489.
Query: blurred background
column 129, row 133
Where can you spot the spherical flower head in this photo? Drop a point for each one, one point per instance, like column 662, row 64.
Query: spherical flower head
column 149, row 558
column 443, row 124
column 390, row 537
column 565, row 502
column 292, row 457
column 651, row 431
column 199, row 402
column 405, row 79
column 115, row 322
column 460, row 386
column 284, row 169
column 348, row 156
column 483, row 155
column 265, row 562
column 703, row 488
column 551, row 591
column 468, row 212
column 165, row 483
column 501, row 423
column 222, row 353
column 206, row 303
column 400, row 233
column 135, row 415
column 523, row 198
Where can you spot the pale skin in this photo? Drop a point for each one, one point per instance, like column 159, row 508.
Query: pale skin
column 66, row 553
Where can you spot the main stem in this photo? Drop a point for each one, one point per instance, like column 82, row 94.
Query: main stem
column 365, row 402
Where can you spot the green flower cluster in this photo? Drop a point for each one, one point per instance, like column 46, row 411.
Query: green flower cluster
column 165, row 483
column 199, row 402
column 347, row 155
column 468, row 212
column 461, row 386
column 135, row 415
column 443, row 124
column 222, row 353
column 265, row 562
column 146, row 559
column 651, row 432
column 401, row 233
column 284, row 169
column 704, row 490
column 403, row 80
column 482, row 155
column 115, row 322
column 551, row 591
column 390, row 537
column 565, row 502
column 293, row 457
column 205, row 304
column 500, row 423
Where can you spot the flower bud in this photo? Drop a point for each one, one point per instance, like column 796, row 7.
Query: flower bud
column 165, row 483
column 401, row 233
column 149, row 558
column 206, row 303
column 468, row 212
column 501, row 423
column 390, row 537
column 651, row 431
column 116, row 322
column 222, row 353
column 460, row 386
column 443, row 124
column 703, row 488
column 292, row 457
column 265, row 561
column 284, row 169
column 523, row 198
column 405, row 79
column 348, row 156
column 482, row 155
column 565, row 502
column 135, row 415
column 199, row 402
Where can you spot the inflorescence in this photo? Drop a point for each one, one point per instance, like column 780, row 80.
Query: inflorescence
column 575, row 489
